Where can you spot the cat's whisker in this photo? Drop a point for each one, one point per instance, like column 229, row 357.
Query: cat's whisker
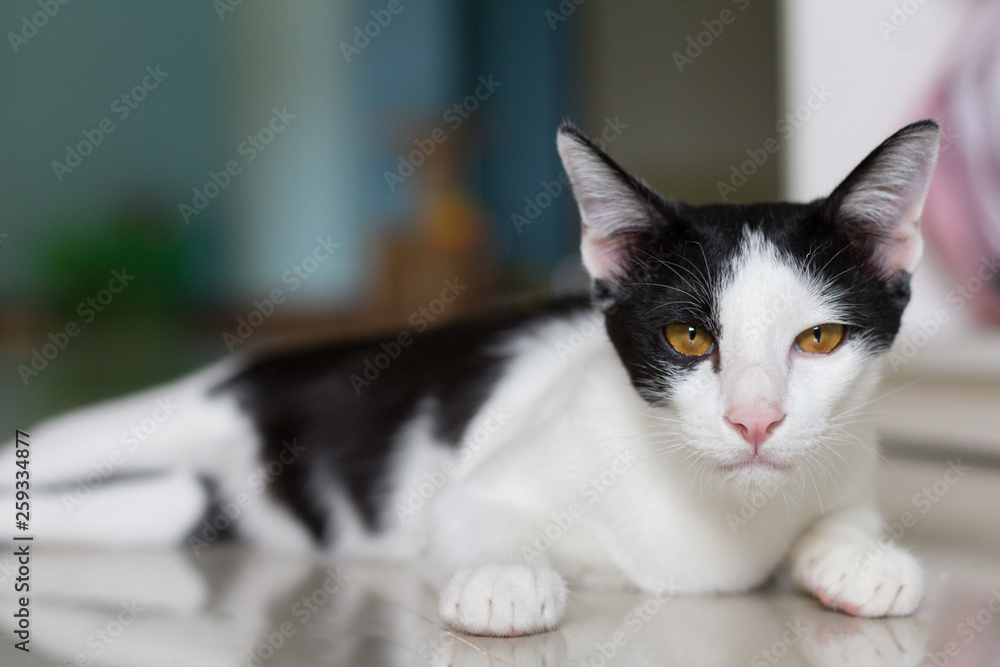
column 827, row 448
column 887, row 394
column 829, row 261
column 854, row 440
column 866, row 417
column 813, row 252
column 700, row 277
column 704, row 257
column 829, row 473
column 668, row 265
column 819, row 498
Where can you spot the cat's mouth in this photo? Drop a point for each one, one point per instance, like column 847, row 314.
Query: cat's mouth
column 756, row 464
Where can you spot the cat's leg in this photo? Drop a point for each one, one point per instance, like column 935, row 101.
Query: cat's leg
column 180, row 424
column 133, row 469
column 153, row 510
column 841, row 561
column 491, row 589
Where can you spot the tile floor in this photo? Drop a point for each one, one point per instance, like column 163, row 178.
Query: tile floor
column 234, row 606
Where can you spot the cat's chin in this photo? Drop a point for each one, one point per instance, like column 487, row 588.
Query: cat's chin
column 754, row 472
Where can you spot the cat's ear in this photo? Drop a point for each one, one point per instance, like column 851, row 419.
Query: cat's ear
column 879, row 204
column 615, row 208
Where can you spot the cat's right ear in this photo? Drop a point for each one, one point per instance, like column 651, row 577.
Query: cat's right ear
column 615, row 208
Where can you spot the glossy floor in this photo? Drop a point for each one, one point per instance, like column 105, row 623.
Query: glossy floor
column 235, row 606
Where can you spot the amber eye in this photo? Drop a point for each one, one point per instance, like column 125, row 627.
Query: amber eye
column 688, row 340
column 820, row 339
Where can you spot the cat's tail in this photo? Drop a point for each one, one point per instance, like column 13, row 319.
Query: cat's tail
column 146, row 469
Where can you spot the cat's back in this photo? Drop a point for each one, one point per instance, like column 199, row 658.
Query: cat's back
column 349, row 406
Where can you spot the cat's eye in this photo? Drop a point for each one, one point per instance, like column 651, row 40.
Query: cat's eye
column 820, row 339
column 688, row 340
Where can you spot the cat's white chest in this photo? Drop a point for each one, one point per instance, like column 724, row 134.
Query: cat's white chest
column 655, row 530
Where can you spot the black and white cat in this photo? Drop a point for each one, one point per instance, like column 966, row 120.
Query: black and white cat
column 610, row 441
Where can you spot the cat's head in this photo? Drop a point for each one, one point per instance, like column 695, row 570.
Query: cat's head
column 757, row 326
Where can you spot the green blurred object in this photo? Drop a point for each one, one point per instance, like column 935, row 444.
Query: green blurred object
column 134, row 283
column 138, row 241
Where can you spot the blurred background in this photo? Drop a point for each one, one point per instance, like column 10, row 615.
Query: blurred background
column 187, row 180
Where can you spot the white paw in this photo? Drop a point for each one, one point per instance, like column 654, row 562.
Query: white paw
column 860, row 582
column 503, row 600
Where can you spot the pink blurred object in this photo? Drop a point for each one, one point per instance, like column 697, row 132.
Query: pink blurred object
column 962, row 214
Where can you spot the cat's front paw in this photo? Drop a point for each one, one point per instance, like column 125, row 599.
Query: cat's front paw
column 503, row 600
column 852, row 579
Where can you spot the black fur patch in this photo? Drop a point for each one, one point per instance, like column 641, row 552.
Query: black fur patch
column 321, row 399
column 215, row 525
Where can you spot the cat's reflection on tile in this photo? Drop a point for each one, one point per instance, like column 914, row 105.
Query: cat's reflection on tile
column 233, row 606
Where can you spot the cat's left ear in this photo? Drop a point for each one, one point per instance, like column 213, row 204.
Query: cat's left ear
column 879, row 204
column 616, row 209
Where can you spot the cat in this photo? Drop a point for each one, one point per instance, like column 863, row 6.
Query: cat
column 691, row 426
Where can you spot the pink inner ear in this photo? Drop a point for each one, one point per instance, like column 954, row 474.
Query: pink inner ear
column 902, row 251
column 904, row 247
column 603, row 257
column 610, row 223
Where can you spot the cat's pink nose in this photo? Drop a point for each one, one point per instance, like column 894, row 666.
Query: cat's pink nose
column 755, row 426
